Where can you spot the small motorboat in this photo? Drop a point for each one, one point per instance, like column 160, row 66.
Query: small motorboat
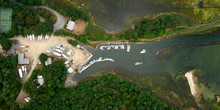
column 138, row 63
column 101, row 48
column 128, row 47
column 143, row 51
column 122, row 46
column 116, row 47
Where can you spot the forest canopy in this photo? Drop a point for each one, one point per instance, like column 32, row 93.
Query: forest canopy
column 107, row 92
column 9, row 81
column 33, row 2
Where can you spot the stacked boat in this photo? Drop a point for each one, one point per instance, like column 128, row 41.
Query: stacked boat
column 39, row 37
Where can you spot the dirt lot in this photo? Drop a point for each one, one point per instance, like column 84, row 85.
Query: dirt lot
column 37, row 47
column 80, row 27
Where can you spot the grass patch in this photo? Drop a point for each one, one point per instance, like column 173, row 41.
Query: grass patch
column 95, row 33
column 73, row 42
column 82, row 38
column 211, row 3
column 63, row 33
column 164, row 54
column 205, row 13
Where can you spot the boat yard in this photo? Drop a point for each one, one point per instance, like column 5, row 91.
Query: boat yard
column 52, row 46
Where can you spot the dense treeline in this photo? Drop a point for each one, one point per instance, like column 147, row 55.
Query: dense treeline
column 33, row 2
column 63, row 33
column 151, row 27
column 67, row 9
column 71, row 12
column 82, row 38
column 45, row 28
column 25, row 21
column 46, row 15
column 107, row 92
column 43, row 57
column 9, row 81
column 5, row 43
column 23, row 18
column 73, row 42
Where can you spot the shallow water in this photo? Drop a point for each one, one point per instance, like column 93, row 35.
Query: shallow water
column 113, row 15
column 206, row 58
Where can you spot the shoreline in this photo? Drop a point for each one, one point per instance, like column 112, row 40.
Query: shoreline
column 94, row 44
column 192, row 84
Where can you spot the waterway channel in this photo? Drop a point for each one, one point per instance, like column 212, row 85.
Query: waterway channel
column 204, row 57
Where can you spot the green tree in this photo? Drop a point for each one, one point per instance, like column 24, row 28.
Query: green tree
column 43, row 57
column 45, row 28
column 9, row 81
column 5, row 43
column 73, row 42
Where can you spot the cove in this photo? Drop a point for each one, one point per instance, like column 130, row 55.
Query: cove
column 204, row 57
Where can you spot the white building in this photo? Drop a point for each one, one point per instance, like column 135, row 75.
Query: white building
column 71, row 25
column 70, row 70
column 40, row 80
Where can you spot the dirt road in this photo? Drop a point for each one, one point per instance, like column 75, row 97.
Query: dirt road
column 40, row 46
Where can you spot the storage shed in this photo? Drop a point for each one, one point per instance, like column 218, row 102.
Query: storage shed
column 71, row 25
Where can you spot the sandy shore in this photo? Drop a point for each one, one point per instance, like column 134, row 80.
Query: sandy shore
column 192, row 84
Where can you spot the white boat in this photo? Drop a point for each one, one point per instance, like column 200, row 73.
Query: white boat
column 122, row 46
column 57, row 54
column 138, row 63
column 59, row 50
column 64, row 56
column 20, row 73
column 66, row 62
column 128, row 47
column 143, row 51
column 116, row 47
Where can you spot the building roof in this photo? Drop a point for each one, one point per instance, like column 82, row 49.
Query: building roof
column 11, row 51
column 22, row 60
column 49, row 61
column 71, row 25
column 40, row 80
column 70, row 70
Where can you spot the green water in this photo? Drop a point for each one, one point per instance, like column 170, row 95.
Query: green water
column 203, row 57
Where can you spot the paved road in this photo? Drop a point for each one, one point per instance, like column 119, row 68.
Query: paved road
column 60, row 18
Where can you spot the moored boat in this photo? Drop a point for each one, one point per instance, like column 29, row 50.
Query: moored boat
column 143, row 51
column 138, row 63
column 128, row 47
